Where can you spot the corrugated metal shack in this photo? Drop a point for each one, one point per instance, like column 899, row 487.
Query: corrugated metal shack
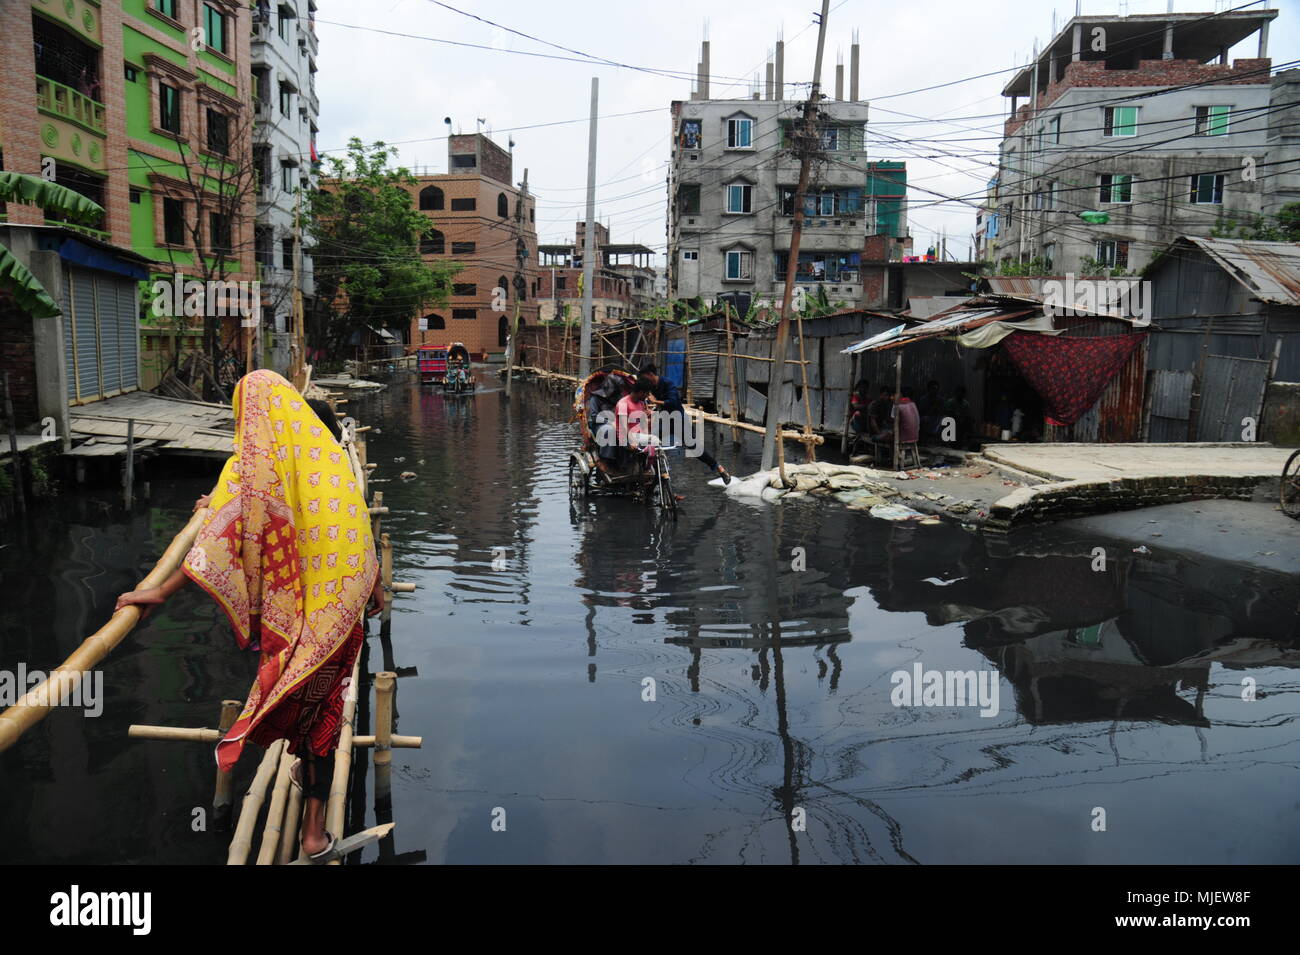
column 829, row 370
column 988, row 375
column 1228, row 323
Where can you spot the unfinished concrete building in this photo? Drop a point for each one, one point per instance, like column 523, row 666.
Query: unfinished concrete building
column 1142, row 124
column 732, row 185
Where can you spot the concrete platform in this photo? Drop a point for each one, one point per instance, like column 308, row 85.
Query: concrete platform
column 1106, row 462
column 1083, row 479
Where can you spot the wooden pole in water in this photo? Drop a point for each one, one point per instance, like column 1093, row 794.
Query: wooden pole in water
column 37, row 702
column 274, row 828
column 735, row 400
column 222, row 798
column 898, row 387
column 252, row 805
column 386, row 569
column 384, row 685
column 130, row 461
column 20, row 498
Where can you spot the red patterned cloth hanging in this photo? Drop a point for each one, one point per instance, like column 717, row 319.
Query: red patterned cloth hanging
column 1069, row 373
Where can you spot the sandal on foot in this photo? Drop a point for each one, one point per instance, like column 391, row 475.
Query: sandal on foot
column 326, row 854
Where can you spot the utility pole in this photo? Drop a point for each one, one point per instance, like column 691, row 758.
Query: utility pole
column 589, row 253
column 299, row 363
column 807, row 141
column 520, row 283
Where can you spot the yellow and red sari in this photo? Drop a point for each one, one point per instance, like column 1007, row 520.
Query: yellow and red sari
column 287, row 552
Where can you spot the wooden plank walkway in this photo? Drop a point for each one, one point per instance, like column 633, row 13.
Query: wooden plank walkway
column 168, row 425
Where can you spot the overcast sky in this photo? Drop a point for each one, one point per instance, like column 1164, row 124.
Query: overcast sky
column 395, row 88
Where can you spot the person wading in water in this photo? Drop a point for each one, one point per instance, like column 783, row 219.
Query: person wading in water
column 286, row 551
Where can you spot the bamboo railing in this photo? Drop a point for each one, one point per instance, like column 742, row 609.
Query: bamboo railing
column 37, row 702
column 283, row 817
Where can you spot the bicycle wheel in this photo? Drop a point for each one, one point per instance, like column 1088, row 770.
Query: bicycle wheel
column 664, row 487
column 578, row 486
column 1290, row 489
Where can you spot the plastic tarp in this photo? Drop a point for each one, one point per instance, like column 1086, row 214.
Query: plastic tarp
column 986, row 336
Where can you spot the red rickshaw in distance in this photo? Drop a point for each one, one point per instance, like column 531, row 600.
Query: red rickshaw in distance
column 431, row 361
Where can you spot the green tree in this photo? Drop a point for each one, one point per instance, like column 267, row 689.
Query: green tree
column 1283, row 227
column 55, row 200
column 366, row 249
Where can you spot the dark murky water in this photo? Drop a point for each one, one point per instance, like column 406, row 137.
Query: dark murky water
column 1119, row 689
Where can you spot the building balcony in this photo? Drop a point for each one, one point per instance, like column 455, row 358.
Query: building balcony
column 307, row 38
column 66, row 103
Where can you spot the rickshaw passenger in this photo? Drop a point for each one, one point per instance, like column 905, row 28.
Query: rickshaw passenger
column 602, row 399
column 634, row 417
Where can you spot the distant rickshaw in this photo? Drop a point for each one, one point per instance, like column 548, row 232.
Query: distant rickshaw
column 431, row 361
column 459, row 378
column 639, row 472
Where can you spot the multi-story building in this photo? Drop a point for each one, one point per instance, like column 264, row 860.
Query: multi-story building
column 286, row 114
column 621, row 289
column 140, row 106
column 481, row 222
column 731, row 194
column 1141, row 123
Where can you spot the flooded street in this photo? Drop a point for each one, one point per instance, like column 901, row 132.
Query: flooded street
column 715, row 690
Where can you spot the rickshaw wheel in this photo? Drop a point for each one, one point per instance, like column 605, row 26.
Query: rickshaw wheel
column 664, row 489
column 578, row 486
column 1290, row 489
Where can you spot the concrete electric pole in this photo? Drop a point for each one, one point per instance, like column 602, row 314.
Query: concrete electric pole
column 807, row 142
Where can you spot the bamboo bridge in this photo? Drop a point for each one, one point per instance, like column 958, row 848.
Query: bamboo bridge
column 280, row 821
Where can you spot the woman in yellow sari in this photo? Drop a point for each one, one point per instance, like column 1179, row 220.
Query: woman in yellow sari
column 287, row 552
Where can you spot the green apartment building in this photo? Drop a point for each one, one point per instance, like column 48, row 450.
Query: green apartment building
column 144, row 106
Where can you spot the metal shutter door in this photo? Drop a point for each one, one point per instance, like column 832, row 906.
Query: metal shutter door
column 110, row 363
column 128, row 314
column 86, row 336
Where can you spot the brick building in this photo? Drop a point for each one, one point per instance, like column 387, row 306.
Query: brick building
column 107, row 92
column 481, row 222
column 623, row 280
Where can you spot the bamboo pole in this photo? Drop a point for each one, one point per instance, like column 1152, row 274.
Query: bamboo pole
column 848, row 407
column 397, row 742
column 130, row 462
column 223, row 790
column 898, row 388
column 343, row 759
column 386, row 570
column 377, row 510
column 384, row 685
column 403, row 588
column 288, row 849
column 273, row 831
column 731, row 364
column 686, row 331
column 180, row 734
column 37, row 702
column 745, row 425
column 252, row 805
column 810, row 450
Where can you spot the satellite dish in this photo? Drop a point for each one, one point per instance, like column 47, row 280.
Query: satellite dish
column 447, row 120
